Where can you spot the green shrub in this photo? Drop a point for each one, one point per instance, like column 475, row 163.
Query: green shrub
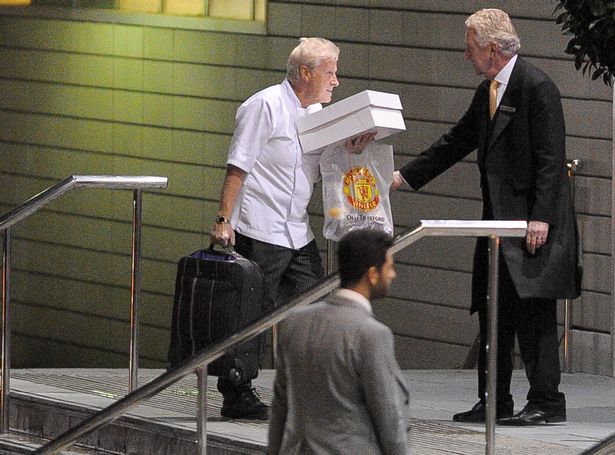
column 591, row 23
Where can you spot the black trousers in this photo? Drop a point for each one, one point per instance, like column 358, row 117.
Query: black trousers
column 287, row 273
column 535, row 324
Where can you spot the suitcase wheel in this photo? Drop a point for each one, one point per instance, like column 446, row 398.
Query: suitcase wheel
column 235, row 375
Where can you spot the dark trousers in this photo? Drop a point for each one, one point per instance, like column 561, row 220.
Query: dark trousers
column 534, row 322
column 287, row 274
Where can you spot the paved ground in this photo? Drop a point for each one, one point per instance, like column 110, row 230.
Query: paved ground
column 436, row 395
column 590, row 400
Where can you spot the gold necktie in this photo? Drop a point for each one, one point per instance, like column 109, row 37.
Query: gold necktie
column 493, row 97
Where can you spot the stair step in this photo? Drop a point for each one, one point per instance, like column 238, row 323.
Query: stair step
column 48, row 403
column 19, row 443
column 129, row 434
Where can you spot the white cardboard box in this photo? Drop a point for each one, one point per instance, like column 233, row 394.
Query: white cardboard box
column 361, row 113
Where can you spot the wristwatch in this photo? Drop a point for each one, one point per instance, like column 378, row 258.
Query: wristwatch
column 221, row 219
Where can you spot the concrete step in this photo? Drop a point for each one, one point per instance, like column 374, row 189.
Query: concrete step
column 46, row 402
column 19, row 443
column 164, row 425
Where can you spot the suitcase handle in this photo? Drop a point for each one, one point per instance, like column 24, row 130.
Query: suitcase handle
column 220, row 249
column 217, row 253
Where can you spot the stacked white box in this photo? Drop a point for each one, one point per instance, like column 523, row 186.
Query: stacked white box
column 364, row 112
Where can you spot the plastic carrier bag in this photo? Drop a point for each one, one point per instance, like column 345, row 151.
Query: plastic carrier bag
column 355, row 189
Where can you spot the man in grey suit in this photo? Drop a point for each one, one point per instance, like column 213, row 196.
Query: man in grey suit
column 338, row 388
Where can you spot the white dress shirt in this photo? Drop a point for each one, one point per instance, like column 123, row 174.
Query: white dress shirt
column 272, row 204
column 503, row 77
column 354, row 296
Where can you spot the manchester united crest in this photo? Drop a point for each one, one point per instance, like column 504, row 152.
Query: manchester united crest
column 360, row 189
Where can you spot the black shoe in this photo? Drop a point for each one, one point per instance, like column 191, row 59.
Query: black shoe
column 533, row 414
column 477, row 413
column 245, row 405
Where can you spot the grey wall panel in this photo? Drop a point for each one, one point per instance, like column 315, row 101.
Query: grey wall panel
column 415, row 353
column 595, row 155
column 465, row 7
column 589, row 310
column 593, row 196
column 410, row 207
column 462, row 181
column 592, row 353
column 449, row 253
column 595, row 233
column 27, row 349
column 427, row 29
column 597, row 273
column 100, row 300
column 138, row 99
column 431, row 285
column 428, row 322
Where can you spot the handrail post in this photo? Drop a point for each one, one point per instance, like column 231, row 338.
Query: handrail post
column 201, row 410
column 135, row 290
column 330, row 256
column 572, row 166
column 5, row 377
column 492, row 344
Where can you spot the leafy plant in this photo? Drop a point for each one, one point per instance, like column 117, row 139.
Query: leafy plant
column 591, row 23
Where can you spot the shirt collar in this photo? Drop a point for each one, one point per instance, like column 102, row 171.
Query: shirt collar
column 293, row 96
column 504, row 75
column 291, row 93
column 355, row 297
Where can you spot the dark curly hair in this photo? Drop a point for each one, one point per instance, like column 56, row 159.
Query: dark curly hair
column 359, row 250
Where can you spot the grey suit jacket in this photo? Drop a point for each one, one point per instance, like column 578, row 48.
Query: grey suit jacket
column 338, row 387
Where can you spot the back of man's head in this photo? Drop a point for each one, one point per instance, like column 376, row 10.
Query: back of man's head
column 359, row 250
column 494, row 25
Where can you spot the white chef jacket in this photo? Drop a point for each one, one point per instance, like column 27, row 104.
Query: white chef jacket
column 272, row 203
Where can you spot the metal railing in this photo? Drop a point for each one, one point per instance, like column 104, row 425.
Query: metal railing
column 572, row 167
column 198, row 364
column 32, row 205
column 604, row 447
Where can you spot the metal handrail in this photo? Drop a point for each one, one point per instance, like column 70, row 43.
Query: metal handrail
column 604, row 447
column 572, row 167
column 198, row 363
column 32, row 205
column 78, row 181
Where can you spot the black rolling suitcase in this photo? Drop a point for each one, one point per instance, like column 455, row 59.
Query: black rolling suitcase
column 216, row 294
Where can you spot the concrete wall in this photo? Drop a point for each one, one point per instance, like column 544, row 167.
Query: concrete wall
column 110, row 98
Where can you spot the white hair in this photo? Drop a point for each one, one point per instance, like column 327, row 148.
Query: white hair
column 310, row 52
column 494, row 26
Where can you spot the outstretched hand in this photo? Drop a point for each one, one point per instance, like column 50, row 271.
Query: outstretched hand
column 398, row 181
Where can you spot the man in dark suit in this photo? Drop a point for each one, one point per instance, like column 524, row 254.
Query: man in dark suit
column 338, row 388
column 516, row 122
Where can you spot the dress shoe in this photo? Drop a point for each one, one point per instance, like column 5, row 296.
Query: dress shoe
column 244, row 405
column 478, row 411
column 533, row 414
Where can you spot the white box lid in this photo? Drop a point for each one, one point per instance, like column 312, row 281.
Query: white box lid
column 347, row 106
column 367, row 111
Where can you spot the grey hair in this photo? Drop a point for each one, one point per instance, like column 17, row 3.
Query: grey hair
column 494, row 25
column 310, row 52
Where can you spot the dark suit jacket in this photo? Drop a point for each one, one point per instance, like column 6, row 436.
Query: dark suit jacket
column 522, row 162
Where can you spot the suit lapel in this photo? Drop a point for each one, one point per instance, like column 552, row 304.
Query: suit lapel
column 508, row 105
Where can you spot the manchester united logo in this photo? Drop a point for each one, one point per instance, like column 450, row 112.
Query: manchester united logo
column 360, row 189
